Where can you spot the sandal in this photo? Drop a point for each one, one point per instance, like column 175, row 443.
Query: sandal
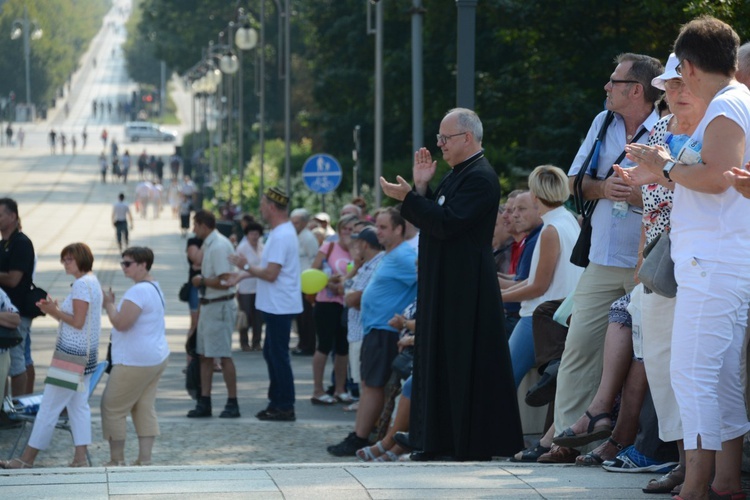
column 531, row 454
column 138, row 463
column 365, row 454
column 5, row 464
column 388, row 456
column 595, row 459
column 352, row 407
column 344, row 397
column 667, row 482
column 593, row 432
column 676, row 490
column 115, row 463
column 325, row 400
column 82, row 463
column 725, row 495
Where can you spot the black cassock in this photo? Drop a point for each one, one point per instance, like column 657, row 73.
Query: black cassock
column 464, row 397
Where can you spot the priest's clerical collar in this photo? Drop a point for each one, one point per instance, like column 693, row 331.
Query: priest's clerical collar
column 468, row 161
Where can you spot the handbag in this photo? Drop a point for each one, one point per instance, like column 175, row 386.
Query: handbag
column 9, row 337
column 28, row 308
column 579, row 256
column 657, row 269
column 67, row 370
column 403, row 363
column 184, row 294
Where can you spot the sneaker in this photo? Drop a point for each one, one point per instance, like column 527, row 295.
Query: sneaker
column 273, row 415
column 631, row 460
column 349, row 446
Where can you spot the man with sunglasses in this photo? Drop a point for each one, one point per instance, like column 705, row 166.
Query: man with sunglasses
column 616, row 228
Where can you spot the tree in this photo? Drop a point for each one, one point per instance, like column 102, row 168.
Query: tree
column 68, row 28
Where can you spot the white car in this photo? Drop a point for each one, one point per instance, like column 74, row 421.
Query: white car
column 147, row 131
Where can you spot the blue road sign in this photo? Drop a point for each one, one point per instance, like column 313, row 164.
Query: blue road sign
column 321, row 173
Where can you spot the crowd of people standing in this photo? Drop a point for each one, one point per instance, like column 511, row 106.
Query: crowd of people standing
column 470, row 279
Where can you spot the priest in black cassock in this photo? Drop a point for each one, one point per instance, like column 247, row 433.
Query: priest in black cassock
column 464, row 404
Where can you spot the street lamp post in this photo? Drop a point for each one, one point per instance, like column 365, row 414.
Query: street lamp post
column 246, row 38
column 22, row 27
column 287, row 98
column 229, row 65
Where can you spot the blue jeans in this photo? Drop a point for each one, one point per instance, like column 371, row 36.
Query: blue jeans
column 276, row 354
column 522, row 349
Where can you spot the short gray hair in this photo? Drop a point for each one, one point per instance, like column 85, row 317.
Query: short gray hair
column 743, row 58
column 468, row 121
column 302, row 213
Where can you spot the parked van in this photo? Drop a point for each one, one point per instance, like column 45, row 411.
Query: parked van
column 147, row 131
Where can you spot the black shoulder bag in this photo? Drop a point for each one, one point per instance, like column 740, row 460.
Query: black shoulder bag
column 580, row 253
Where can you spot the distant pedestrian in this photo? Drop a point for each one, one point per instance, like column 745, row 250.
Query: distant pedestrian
column 84, row 136
column 9, row 134
column 21, row 136
column 52, row 140
column 174, row 166
column 73, row 142
column 104, row 136
column 63, row 142
column 142, row 161
column 103, row 167
column 122, row 218
column 125, row 166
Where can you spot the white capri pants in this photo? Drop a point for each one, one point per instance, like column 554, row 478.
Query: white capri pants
column 54, row 400
column 708, row 334
column 657, row 318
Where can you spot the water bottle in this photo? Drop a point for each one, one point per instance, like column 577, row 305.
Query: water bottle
column 620, row 209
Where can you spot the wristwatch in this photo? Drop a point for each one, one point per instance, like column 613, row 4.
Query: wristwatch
column 667, row 169
column 246, row 267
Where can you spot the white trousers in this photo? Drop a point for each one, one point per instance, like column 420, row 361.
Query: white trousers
column 657, row 318
column 707, row 338
column 56, row 399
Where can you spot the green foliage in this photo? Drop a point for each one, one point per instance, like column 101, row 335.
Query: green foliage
column 68, row 28
column 139, row 51
column 540, row 70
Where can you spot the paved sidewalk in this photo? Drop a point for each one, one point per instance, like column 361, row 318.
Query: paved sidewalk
column 325, row 481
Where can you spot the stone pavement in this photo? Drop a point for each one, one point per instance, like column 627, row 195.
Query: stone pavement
column 325, row 481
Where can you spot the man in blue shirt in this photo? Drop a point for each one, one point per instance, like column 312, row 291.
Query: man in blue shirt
column 393, row 287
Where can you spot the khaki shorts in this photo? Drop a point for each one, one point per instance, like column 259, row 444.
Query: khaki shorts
column 215, row 326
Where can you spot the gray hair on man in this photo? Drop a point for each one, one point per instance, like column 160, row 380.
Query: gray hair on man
column 302, row 213
column 469, row 121
column 743, row 64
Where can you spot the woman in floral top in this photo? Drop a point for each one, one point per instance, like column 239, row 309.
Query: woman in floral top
column 671, row 132
column 80, row 323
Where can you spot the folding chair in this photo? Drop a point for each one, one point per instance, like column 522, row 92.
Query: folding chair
column 63, row 422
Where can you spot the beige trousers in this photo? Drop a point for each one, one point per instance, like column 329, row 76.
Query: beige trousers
column 131, row 389
column 581, row 367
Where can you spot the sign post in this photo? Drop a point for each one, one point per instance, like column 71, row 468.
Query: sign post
column 321, row 173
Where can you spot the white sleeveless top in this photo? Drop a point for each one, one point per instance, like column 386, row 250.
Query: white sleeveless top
column 566, row 275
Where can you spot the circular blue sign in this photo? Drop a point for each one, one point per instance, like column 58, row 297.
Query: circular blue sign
column 321, row 173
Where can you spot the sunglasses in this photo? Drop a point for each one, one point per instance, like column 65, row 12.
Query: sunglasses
column 127, row 263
